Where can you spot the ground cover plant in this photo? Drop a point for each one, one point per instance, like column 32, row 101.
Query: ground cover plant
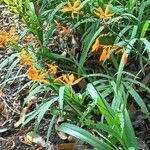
column 90, row 62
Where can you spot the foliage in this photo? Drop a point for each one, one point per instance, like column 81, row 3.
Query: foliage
column 110, row 33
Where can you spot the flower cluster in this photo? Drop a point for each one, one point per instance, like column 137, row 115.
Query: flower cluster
column 25, row 58
column 7, row 37
column 73, row 8
column 76, row 7
column 106, row 50
column 52, row 69
column 68, row 79
column 36, row 75
column 42, row 77
column 33, row 73
column 62, row 29
column 104, row 15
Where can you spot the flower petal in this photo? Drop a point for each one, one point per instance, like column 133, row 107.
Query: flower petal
column 71, row 78
column 77, row 3
column 125, row 57
column 96, row 45
column 65, row 9
column 77, row 81
column 103, row 55
column 107, row 10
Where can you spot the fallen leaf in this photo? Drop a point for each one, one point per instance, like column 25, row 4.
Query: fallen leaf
column 62, row 135
column 39, row 148
column 22, row 115
column 37, row 139
column 66, row 146
column 60, row 120
column 1, row 93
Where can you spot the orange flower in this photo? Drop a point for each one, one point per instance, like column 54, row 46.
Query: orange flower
column 2, row 40
column 6, row 37
column 68, row 79
column 104, row 15
column 74, row 8
column 105, row 53
column 3, row 37
column 41, row 78
column 4, row 33
column 25, row 58
column 124, row 57
column 61, row 28
column 11, row 37
column 52, row 69
column 33, row 74
column 96, row 45
column 108, row 53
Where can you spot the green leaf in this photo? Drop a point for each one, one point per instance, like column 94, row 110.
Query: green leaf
column 142, row 8
column 101, row 127
column 57, row 8
column 144, row 29
column 121, row 66
column 137, row 83
column 61, row 98
column 122, row 32
column 42, row 108
column 8, row 60
column 102, row 104
column 36, row 90
column 86, row 48
column 138, row 100
column 84, row 136
column 51, row 124
column 129, row 137
column 147, row 46
column 134, row 32
column 10, row 69
column 13, row 79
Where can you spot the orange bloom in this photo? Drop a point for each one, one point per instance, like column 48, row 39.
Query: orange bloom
column 68, row 79
column 108, row 53
column 6, row 37
column 124, row 57
column 52, row 69
column 11, row 37
column 104, row 15
column 25, row 58
column 74, row 8
column 33, row 74
column 105, row 53
column 96, row 45
column 2, row 40
column 61, row 28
